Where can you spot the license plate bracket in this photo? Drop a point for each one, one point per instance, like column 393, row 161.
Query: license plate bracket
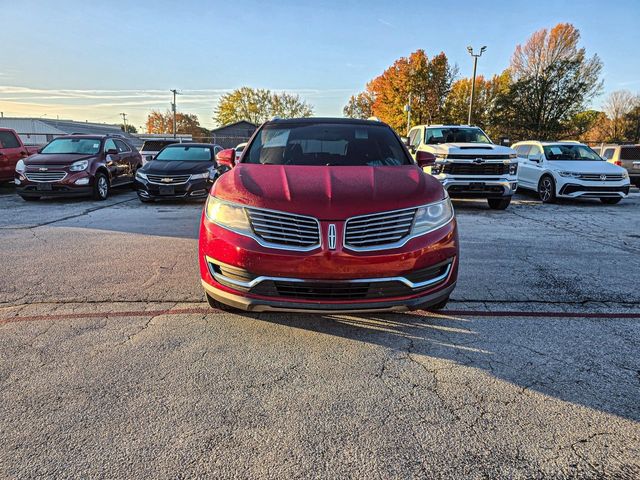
column 44, row 187
column 167, row 190
column 477, row 186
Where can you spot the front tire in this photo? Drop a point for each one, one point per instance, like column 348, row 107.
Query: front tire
column 547, row 189
column 498, row 203
column 101, row 187
column 213, row 303
column 610, row 200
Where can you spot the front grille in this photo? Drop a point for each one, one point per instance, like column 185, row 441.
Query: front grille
column 169, row 179
column 286, row 229
column 45, row 176
column 596, row 177
column 457, row 156
column 475, row 168
column 370, row 231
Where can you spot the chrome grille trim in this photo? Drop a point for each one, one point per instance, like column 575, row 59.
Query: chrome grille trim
column 283, row 230
column 378, row 230
column 45, row 176
column 615, row 177
column 175, row 179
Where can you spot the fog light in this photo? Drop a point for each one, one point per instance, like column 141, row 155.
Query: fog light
column 82, row 181
column 514, row 186
column 17, row 181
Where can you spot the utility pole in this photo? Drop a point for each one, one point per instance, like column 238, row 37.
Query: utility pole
column 173, row 108
column 473, row 82
column 407, row 108
column 124, row 121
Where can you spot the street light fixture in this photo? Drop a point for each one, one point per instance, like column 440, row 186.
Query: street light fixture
column 473, row 82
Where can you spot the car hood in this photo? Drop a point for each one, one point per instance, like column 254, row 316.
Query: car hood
column 587, row 166
column 328, row 193
column 55, row 159
column 471, row 149
column 160, row 167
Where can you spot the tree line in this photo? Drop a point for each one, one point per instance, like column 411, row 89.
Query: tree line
column 542, row 94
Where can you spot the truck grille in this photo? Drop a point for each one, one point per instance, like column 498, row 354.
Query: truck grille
column 370, row 231
column 45, row 176
column 476, row 168
column 169, row 179
column 286, row 229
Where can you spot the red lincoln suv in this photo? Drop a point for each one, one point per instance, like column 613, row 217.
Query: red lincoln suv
column 327, row 215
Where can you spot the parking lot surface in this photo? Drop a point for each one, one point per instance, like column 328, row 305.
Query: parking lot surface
column 113, row 366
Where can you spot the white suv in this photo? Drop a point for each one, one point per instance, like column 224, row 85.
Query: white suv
column 468, row 163
column 569, row 170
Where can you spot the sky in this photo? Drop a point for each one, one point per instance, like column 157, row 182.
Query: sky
column 90, row 60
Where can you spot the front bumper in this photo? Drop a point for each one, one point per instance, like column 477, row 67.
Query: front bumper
column 198, row 188
column 479, row 187
column 573, row 189
column 67, row 187
column 419, row 274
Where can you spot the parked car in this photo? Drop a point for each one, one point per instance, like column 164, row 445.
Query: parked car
column 180, row 170
column 625, row 156
column 468, row 163
column 77, row 165
column 12, row 150
column 569, row 170
column 239, row 149
column 327, row 215
column 150, row 148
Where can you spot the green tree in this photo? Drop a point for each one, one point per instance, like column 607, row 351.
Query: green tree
column 553, row 81
column 128, row 128
column 259, row 105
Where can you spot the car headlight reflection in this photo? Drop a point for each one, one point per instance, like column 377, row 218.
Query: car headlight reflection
column 228, row 215
column 432, row 216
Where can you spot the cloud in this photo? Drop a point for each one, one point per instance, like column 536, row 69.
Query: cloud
column 385, row 22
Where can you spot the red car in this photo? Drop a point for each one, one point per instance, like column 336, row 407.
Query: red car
column 327, row 215
column 12, row 150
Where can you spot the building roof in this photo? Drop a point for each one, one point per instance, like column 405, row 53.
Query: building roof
column 235, row 124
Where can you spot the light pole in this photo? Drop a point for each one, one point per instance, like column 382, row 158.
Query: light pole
column 473, row 82
column 173, row 107
column 407, row 108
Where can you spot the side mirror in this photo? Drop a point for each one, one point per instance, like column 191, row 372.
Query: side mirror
column 148, row 158
column 405, row 140
column 536, row 158
column 226, row 157
column 112, row 151
column 425, row 159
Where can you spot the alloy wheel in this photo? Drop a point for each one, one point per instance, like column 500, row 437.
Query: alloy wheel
column 103, row 187
column 546, row 188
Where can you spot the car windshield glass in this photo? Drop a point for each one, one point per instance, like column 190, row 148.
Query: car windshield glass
column 455, row 135
column 190, row 154
column 570, row 152
column 73, row 146
column 331, row 144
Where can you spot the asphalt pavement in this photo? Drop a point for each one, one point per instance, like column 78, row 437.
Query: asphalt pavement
column 113, row 366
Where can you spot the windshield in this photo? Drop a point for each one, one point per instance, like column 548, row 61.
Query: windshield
column 73, row 146
column 189, row 154
column 570, row 152
column 331, row 144
column 455, row 135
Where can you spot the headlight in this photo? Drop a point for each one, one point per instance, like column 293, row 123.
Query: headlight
column 625, row 174
column 228, row 215
column 441, row 156
column 432, row 216
column 79, row 166
column 513, row 155
column 569, row 174
column 200, row 175
column 436, row 169
column 513, row 168
column 20, row 166
column 141, row 175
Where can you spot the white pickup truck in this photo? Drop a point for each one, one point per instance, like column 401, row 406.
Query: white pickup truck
column 468, row 163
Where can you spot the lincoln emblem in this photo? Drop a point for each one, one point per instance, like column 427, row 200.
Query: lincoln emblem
column 331, row 236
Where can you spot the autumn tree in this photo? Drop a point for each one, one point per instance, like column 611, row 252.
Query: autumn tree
column 259, row 105
column 186, row 124
column 426, row 82
column 553, row 81
column 359, row 106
